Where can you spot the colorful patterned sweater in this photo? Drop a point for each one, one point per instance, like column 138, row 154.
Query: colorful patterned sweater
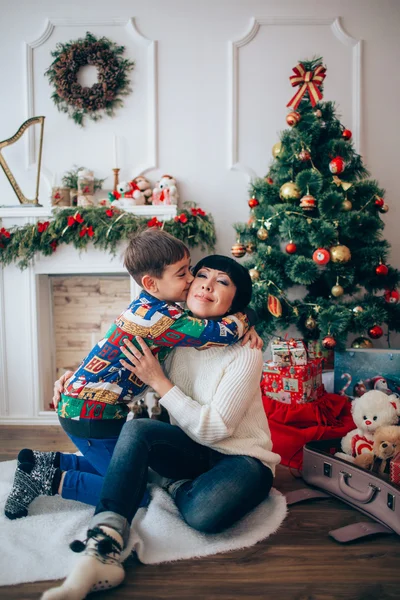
column 101, row 387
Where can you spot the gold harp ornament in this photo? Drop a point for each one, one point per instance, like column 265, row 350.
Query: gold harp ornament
column 23, row 199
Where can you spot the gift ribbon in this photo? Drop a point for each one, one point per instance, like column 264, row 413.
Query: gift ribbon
column 309, row 81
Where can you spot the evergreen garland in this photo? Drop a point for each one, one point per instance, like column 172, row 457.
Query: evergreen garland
column 102, row 227
column 77, row 101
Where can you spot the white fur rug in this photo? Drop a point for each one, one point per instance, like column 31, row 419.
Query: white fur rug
column 36, row 547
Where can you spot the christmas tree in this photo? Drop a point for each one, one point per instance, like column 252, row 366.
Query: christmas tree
column 316, row 221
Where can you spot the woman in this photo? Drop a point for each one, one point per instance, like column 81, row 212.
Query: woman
column 216, row 453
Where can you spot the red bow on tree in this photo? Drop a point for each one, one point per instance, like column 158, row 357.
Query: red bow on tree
column 154, row 222
column 43, row 226
column 309, row 81
column 198, row 212
column 76, row 218
column 4, row 233
column 86, row 231
column 182, row 218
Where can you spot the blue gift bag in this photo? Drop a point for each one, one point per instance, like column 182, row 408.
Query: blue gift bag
column 361, row 370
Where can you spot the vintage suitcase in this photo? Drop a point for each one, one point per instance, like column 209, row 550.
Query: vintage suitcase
column 368, row 492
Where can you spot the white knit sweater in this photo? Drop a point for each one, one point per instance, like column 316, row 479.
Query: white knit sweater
column 216, row 400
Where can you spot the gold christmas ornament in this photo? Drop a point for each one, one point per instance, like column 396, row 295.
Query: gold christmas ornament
column 311, row 323
column 358, row 309
column 384, row 208
column 276, row 149
column 337, row 291
column 293, row 118
column 318, row 113
column 347, row 205
column 238, row 250
column 340, row 254
column 250, row 248
column 262, row 234
column 362, row 342
column 289, row 191
column 254, row 274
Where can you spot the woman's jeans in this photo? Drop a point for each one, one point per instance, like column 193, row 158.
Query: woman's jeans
column 220, row 489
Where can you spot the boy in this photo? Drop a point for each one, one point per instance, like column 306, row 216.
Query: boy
column 94, row 405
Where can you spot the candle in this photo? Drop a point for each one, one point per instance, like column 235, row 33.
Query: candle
column 115, row 152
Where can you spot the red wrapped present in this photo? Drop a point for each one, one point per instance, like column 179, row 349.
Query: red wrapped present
column 316, row 350
column 288, row 352
column 293, row 384
column 395, row 469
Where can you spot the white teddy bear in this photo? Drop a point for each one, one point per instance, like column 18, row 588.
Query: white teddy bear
column 129, row 195
column 165, row 191
column 370, row 411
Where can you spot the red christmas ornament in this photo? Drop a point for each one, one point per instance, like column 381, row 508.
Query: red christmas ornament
column 304, row 156
column 391, row 296
column 375, row 332
column 238, row 250
column 291, row 248
column 329, row 342
column 379, row 201
column 293, row 118
column 337, row 165
column 269, row 180
column 321, row 256
column 381, row 270
column 308, row 202
column 346, row 134
column 253, row 202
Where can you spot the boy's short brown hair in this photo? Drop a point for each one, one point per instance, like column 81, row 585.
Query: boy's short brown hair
column 150, row 251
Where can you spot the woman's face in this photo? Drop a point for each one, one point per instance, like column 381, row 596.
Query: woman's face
column 211, row 293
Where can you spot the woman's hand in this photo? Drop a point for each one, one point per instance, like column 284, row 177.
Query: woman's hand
column 253, row 338
column 59, row 387
column 145, row 366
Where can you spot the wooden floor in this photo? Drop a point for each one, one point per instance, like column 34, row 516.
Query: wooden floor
column 300, row 562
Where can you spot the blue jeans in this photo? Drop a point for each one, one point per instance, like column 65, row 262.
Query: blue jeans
column 221, row 488
column 84, row 475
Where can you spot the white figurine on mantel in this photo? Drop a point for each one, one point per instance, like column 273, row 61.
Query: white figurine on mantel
column 128, row 194
column 165, row 191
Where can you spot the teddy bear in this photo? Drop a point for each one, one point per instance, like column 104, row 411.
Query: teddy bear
column 145, row 187
column 370, row 411
column 165, row 191
column 127, row 195
column 386, row 445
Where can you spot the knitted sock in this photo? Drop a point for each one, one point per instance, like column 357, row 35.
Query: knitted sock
column 99, row 569
column 41, row 459
column 30, row 481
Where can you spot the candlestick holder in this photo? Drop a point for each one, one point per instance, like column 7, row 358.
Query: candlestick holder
column 116, row 179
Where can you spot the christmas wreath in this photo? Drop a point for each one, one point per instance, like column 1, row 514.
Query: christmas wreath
column 77, row 101
column 102, row 226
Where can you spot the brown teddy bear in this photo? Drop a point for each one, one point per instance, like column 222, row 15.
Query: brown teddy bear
column 386, row 446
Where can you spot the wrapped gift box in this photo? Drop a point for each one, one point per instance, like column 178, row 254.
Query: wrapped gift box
column 288, row 352
column 395, row 469
column 316, row 350
column 293, row 384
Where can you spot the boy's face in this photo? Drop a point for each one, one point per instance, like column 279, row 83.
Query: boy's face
column 175, row 282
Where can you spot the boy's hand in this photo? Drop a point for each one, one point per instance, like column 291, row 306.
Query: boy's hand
column 59, row 387
column 145, row 366
column 253, row 338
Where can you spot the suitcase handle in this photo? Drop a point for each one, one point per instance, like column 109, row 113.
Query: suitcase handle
column 363, row 497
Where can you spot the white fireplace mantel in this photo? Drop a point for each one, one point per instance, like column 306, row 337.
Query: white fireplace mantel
column 26, row 375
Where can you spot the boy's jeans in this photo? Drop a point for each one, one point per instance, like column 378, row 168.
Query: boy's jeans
column 224, row 489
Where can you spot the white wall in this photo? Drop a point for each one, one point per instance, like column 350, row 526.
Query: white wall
column 193, row 91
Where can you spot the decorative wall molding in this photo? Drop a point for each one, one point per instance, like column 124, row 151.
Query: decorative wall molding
column 3, row 354
column 151, row 161
column 334, row 23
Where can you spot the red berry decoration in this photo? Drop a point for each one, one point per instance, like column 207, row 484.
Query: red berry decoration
column 321, row 256
column 336, row 165
column 329, row 342
column 253, row 202
column 381, row 270
column 291, row 248
column 346, row 134
column 379, row 201
column 391, row 296
column 375, row 332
